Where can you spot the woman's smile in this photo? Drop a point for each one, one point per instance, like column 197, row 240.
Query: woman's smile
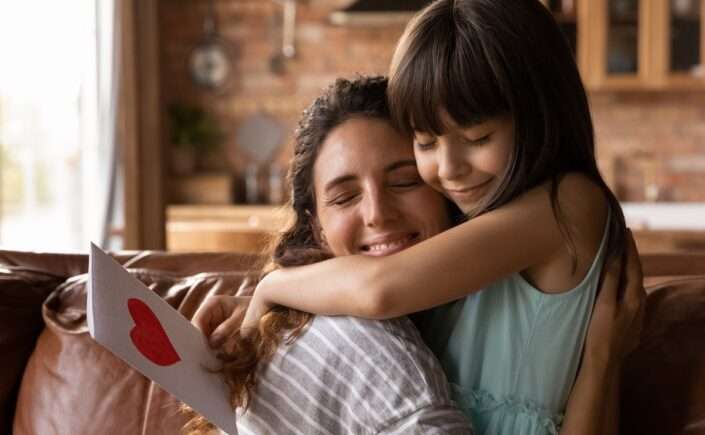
column 389, row 244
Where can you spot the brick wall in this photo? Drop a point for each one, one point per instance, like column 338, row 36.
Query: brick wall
column 650, row 145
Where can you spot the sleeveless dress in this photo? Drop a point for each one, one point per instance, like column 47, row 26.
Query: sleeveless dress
column 511, row 352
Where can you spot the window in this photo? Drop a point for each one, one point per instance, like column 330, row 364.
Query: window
column 52, row 173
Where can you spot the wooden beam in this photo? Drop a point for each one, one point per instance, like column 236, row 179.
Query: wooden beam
column 141, row 124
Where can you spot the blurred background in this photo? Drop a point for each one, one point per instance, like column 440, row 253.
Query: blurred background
column 167, row 124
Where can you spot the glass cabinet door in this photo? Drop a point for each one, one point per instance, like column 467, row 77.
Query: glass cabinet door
column 618, row 43
column 641, row 44
column 685, row 39
column 623, row 37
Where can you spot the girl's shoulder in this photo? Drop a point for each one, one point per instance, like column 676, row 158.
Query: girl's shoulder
column 582, row 210
column 585, row 206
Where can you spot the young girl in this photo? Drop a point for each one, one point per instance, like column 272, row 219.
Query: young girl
column 501, row 126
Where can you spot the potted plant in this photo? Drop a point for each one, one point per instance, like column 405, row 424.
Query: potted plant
column 193, row 134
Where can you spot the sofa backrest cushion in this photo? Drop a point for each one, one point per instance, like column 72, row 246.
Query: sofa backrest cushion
column 71, row 384
column 22, row 292
column 663, row 386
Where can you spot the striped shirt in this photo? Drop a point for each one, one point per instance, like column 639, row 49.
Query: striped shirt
column 345, row 375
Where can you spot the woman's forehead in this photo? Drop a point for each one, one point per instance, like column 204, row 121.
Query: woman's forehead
column 359, row 145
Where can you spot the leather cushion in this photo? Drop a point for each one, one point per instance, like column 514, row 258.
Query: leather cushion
column 663, row 389
column 72, row 384
column 21, row 295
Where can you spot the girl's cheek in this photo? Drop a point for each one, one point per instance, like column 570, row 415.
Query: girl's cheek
column 427, row 169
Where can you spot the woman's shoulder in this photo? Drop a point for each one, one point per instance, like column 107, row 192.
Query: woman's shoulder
column 393, row 341
column 356, row 331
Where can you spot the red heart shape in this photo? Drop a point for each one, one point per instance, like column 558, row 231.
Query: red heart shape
column 149, row 336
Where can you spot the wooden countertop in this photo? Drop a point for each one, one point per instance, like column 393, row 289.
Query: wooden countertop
column 206, row 219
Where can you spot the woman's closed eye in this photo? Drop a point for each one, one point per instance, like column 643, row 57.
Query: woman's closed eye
column 341, row 199
column 405, row 183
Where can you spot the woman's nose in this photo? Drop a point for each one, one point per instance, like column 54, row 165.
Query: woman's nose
column 378, row 209
column 451, row 162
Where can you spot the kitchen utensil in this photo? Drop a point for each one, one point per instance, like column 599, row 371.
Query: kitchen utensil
column 277, row 62
column 210, row 59
column 260, row 135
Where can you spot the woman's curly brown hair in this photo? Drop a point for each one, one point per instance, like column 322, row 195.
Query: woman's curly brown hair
column 299, row 243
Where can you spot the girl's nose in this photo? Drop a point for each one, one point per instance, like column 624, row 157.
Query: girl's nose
column 452, row 163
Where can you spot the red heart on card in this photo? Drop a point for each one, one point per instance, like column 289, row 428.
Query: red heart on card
column 149, row 336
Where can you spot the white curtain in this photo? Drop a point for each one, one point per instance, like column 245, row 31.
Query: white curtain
column 108, row 51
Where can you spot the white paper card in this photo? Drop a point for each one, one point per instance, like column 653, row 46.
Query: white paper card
column 143, row 330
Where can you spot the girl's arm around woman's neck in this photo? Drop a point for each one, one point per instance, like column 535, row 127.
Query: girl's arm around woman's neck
column 514, row 238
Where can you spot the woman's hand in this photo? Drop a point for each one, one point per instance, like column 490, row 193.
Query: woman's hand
column 260, row 304
column 220, row 316
column 617, row 319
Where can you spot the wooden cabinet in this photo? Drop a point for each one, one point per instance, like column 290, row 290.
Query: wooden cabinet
column 636, row 44
column 616, row 44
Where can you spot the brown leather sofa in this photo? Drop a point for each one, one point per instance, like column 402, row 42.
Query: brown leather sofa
column 56, row 380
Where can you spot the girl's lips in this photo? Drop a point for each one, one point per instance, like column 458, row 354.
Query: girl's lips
column 469, row 193
column 469, row 189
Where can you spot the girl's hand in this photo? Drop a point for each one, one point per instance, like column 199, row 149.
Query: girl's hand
column 220, row 316
column 617, row 319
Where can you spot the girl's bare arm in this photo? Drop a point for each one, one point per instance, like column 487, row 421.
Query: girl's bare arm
column 445, row 267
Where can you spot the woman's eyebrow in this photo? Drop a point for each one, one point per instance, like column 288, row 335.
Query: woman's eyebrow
column 338, row 180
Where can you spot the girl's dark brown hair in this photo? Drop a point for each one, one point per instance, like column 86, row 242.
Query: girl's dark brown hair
column 299, row 243
column 480, row 59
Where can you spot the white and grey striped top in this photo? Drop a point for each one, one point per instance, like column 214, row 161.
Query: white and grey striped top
column 345, row 375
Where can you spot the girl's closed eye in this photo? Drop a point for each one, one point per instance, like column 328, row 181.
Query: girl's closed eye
column 424, row 141
column 481, row 140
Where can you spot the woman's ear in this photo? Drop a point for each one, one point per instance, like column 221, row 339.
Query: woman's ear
column 318, row 233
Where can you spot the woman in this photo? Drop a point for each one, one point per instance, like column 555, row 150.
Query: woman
column 356, row 190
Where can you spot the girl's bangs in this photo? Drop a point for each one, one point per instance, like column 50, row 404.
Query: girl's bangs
column 442, row 67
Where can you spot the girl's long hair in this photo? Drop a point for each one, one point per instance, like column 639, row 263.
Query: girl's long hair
column 480, row 59
column 299, row 243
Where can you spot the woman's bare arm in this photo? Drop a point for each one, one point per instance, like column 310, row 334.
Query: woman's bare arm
column 614, row 331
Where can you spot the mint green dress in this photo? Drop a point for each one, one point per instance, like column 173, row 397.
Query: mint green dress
column 511, row 352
